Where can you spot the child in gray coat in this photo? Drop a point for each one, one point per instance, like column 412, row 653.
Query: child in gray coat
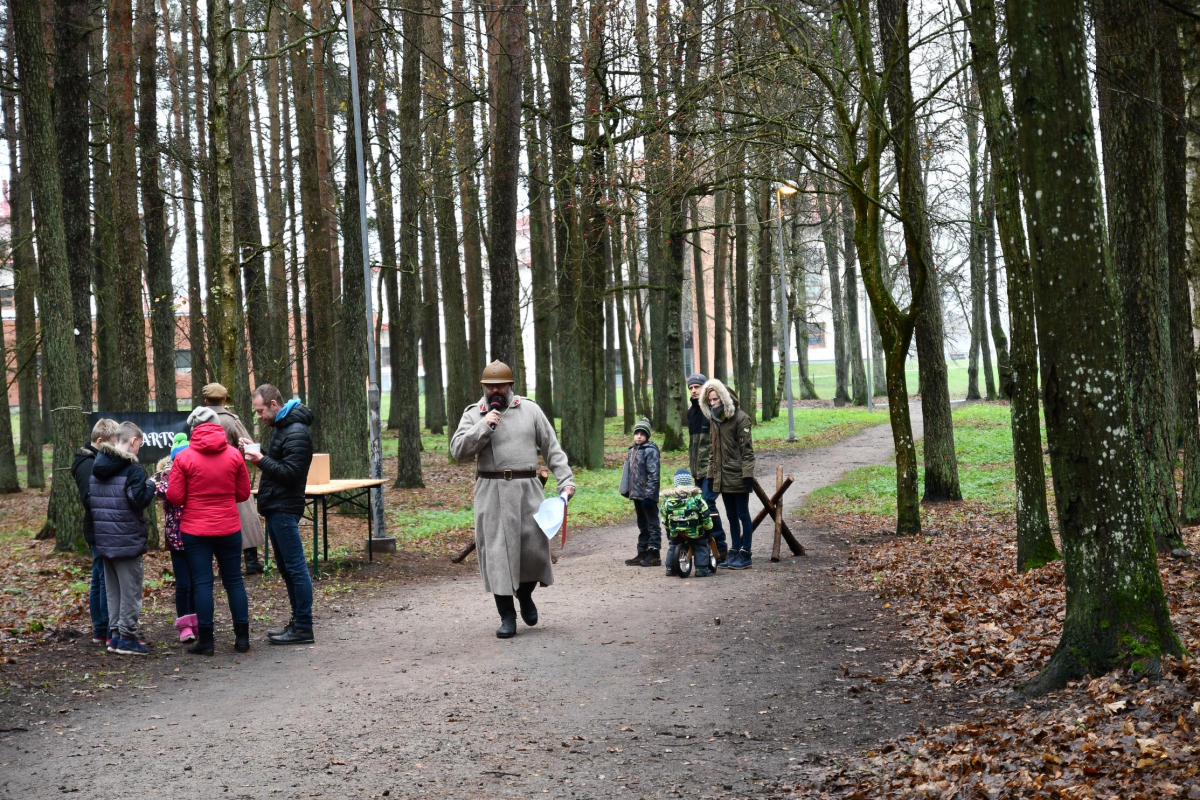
column 640, row 481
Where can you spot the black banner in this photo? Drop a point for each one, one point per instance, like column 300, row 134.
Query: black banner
column 158, row 429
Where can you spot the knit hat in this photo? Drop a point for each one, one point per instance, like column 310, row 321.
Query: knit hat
column 696, row 379
column 201, row 415
column 180, row 443
column 642, row 425
column 683, row 478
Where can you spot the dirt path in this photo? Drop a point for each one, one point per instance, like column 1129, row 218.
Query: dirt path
column 628, row 688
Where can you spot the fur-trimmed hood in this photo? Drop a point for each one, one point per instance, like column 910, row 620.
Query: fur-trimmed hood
column 111, row 461
column 680, row 491
column 728, row 399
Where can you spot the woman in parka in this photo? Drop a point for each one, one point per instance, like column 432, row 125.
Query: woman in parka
column 731, row 465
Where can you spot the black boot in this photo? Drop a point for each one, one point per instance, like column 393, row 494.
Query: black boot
column 525, row 598
column 291, row 623
column 253, row 565
column 241, row 636
column 293, row 635
column 204, row 641
column 651, row 559
column 636, row 561
column 508, row 617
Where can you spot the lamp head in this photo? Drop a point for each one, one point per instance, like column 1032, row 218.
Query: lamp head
column 786, row 189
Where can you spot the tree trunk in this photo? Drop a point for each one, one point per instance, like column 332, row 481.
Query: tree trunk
column 404, row 361
column 468, row 191
column 766, row 327
column 385, row 220
column 196, row 342
column 999, row 337
column 1183, row 350
column 1126, row 52
column 941, row 464
column 701, row 294
column 104, row 243
column 289, row 182
column 158, row 257
column 8, row 456
column 1116, row 614
column 71, row 87
column 853, row 354
column 278, row 287
column 460, row 383
column 431, row 327
column 743, row 373
column 541, row 252
column 25, row 277
column 628, row 401
column 722, row 211
column 829, row 227
column 1035, row 545
column 64, row 517
column 351, row 456
column 130, row 386
column 322, row 374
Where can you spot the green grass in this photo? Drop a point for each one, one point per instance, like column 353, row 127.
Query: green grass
column 983, row 443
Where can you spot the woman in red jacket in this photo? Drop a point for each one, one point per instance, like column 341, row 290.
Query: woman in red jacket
column 208, row 480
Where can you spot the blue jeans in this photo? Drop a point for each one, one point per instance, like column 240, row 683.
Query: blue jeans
column 284, row 530
column 718, row 531
column 649, row 534
column 200, row 551
column 184, row 602
column 97, row 598
column 741, row 527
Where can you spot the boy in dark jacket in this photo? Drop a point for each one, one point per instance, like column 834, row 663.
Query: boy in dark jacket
column 639, row 482
column 118, row 494
column 105, row 430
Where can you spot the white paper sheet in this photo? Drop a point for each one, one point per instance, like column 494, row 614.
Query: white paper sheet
column 550, row 515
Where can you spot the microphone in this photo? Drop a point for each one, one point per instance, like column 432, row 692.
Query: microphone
column 495, row 405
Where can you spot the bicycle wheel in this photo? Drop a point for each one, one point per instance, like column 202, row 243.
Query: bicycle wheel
column 684, row 558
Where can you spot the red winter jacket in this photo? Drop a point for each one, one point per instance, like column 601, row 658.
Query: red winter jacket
column 208, row 480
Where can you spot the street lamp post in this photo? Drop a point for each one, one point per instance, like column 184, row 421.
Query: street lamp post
column 373, row 394
column 781, row 191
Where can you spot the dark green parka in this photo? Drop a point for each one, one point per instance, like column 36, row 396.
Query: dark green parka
column 731, row 450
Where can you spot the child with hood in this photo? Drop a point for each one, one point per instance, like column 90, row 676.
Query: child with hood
column 185, row 611
column 731, row 465
column 118, row 494
column 686, row 516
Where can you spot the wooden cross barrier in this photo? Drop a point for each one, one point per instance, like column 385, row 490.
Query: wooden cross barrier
column 773, row 506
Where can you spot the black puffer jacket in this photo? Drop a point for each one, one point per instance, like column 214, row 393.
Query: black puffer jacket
column 81, row 471
column 285, row 465
column 118, row 494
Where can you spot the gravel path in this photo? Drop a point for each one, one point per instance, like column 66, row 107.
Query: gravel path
column 633, row 685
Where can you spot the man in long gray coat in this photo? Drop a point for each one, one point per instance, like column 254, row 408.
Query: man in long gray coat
column 505, row 433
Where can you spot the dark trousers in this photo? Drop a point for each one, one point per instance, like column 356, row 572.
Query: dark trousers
column 284, row 530
column 649, row 534
column 184, row 602
column 741, row 527
column 97, row 599
column 200, row 551
column 718, row 531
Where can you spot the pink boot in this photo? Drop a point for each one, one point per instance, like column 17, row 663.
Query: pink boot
column 184, row 625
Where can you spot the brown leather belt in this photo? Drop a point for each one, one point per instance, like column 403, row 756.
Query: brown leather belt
column 508, row 474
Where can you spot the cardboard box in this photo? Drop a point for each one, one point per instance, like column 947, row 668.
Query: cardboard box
column 318, row 473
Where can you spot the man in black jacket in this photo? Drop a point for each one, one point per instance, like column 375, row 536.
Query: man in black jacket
column 284, row 470
column 81, row 470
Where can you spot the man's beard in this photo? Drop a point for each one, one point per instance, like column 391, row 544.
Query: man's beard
column 502, row 398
